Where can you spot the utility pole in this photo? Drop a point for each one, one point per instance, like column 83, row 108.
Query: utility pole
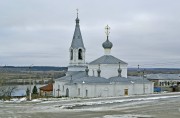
column 30, row 81
column 142, row 77
column 3, row 75
column 1, row 79
column 138, row 70
column 143, row 82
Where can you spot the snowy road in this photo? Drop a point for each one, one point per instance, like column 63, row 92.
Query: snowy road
column 152, row 106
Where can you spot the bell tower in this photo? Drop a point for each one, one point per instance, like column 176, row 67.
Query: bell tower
column 77, row 50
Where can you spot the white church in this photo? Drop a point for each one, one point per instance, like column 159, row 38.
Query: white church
column 104, row 77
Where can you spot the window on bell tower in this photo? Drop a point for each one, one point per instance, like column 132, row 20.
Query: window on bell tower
column 71, row 55
column 80, row 54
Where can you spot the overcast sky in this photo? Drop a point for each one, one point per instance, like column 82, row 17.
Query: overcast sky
column 39, row 32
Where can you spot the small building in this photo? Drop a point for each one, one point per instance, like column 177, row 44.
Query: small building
column 46, row 90
column 165, row 82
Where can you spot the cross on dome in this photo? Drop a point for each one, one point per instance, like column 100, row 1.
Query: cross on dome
column 107, row 30
column 107, row 44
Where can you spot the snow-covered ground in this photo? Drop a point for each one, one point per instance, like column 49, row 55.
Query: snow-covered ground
column 107, row 102
column 145, row 106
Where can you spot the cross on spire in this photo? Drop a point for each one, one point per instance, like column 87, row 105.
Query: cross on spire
column 107, row 30
column 77, row 12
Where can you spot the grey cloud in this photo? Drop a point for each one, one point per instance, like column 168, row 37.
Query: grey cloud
column 144, row 32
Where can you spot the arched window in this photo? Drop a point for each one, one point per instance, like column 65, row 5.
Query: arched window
column 71, row 55
column 80, row 54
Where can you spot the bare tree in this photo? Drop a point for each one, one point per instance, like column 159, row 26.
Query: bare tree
column 6, row 91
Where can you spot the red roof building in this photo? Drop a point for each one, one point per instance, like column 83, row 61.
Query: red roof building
column 46, row 90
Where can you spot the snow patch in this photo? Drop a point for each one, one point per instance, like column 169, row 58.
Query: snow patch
column 23, row 99
column 17, row 100
column 36, row 100
column 85, row 103
column 128, row 116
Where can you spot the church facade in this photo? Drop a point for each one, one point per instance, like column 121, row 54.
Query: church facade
column 104, row 77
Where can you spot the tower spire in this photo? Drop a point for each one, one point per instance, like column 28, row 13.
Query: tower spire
column 77, row 41
column 77, row 49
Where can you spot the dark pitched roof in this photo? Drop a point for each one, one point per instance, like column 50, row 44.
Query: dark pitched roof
column 107, row 59
column 92, row 79
column 129, row 79
column 75, row 75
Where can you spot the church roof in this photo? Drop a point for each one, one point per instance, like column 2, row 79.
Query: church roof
column 81, row 77
column 73, row 75
column 129, row 79
column 107, row 59
column 48, row 87
column 77, row 41
column 91, row 79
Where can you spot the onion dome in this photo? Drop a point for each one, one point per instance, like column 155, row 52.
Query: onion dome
column 107, row 44
column 86, row 70
column 99, row 71
column 119, row 72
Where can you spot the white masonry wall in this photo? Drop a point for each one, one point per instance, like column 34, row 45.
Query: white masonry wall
column 104, row 90
column 108, row 70
column 101, row 90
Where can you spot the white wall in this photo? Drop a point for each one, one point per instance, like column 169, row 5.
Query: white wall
column 76, row 68
column 59, row 85
column 104, row 90
column 108, row 70
column 101, row 90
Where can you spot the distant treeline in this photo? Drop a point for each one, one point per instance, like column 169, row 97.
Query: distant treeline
column 135, row 71
column 33, row 68
column 53, row 68
column 156, row 69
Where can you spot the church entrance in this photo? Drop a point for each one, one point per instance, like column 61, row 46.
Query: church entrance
column 125, row 91
column 67, row 92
